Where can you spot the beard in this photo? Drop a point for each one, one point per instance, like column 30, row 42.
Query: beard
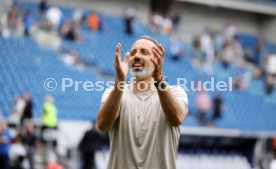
column 141, row 74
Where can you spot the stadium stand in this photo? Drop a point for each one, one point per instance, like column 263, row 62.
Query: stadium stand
column 25, row 65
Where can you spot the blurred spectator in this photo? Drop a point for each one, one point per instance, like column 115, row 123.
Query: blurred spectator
column 130, row 16
column 227, row 55
column 53, row 162
column 17, row 110
column 203, row 104
column 17, row 151
column 78, row 17
column 218, row 106
column 241, row 76
column 248, row 55
column 167, row 27
column 156, row 22
column 269, row 84
column 230, row 31
column 46, row 36
column 176, row 48
column 208, row 51
column 28, row 110
column 174, row 15
column 69, row 31
column 271, row 65
column 19, row 136
column 11, row 22
column 49, row 119
column 54, row 166
column 43, row 6
column 270, row 73
column 53, row 18
column 31, row 142
column 237, row 48
column 274, row 144
column 94, row 22
column 5, row 5
column 218, row 42
column 71, row 58
column 207, row 45
column 28, row 20
column 89, row 144
column 5, row 140
column 197, row 54
column 261, row 50
column 273, row 161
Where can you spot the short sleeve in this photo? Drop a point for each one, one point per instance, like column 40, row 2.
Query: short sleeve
column 106, row 94
column 180, row 94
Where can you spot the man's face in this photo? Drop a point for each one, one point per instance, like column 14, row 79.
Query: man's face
column 140, row 64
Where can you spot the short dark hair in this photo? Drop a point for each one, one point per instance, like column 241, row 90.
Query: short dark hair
column 150, row 39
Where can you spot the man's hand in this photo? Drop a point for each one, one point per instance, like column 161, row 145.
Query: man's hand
column 121, row 67
column 109, row 110
column 158, row 62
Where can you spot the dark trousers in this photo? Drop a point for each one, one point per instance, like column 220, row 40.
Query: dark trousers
column 88, row 161
column 30, row 156
column 202, row 117
column 128, row 25
column 4, row 161
column 44, row 140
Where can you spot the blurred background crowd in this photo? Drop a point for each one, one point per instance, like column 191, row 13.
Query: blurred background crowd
column 42, row 39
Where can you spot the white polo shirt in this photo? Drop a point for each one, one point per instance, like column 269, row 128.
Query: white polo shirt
column 142, row 137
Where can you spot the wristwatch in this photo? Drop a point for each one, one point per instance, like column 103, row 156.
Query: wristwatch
column 163, row 83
